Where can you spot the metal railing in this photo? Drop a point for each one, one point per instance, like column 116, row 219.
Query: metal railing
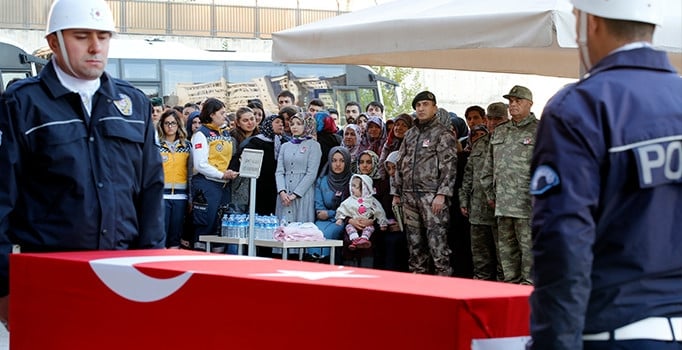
column 175, row 18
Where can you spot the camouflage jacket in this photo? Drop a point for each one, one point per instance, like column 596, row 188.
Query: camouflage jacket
column 506, row 173
column 471, row 194
column 427, row 160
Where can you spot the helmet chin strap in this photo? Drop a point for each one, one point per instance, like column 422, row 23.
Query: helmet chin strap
column 585, row 64
column 65, row 55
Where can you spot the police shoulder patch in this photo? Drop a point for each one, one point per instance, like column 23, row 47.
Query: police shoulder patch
column 544, row 178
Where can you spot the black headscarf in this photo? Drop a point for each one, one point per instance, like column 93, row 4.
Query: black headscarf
column 338, row 182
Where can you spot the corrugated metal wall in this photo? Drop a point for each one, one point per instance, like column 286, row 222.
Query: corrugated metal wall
column 173, row 18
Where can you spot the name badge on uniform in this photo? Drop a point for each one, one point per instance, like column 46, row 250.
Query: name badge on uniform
column 426, row 143
column 124, row 105
column 303, row 149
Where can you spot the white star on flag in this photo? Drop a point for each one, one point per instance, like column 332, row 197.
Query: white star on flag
column 314, row 276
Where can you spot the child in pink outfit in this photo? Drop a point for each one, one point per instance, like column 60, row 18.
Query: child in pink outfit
column 361, row 204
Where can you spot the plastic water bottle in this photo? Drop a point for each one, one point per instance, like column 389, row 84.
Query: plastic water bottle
column 270, row 227
column 258, row 227
column 223, row 226
column 244, row 227
column 231, row 227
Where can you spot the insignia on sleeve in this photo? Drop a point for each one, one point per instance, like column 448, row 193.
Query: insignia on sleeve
column 124, row 105
column 197, row 146
column 543, row 180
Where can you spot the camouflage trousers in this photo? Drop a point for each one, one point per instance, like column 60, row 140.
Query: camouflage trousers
column 514, row 249
column 484, row 253
column 427, row 234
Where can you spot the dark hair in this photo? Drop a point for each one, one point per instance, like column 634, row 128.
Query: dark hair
column 287, row 93
column 210, row 106
column 630, row 30
column 192, row 105
column 375, row 104
column 256, row 104
column 178, row 108
column 353, row 103
column 289, row 111
column 478, row 109
column 316, row 102
column 333, row 111
column 238, row 133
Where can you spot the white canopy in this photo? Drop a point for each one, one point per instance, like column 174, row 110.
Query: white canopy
column 522, row 36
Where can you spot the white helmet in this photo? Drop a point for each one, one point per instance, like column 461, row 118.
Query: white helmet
column 647, row 11
column 80, row 14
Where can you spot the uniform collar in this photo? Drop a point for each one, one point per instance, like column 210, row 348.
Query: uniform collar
column 525, row 121
column 641, row 58
column 56, row 89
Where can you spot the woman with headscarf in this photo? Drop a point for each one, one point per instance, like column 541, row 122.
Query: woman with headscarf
column 296, row 171
column 266, row 189
column 326, row 136
column 330, row 190
column 374, row 136
column 401, row 124
column 352, row 134
column 193, row 124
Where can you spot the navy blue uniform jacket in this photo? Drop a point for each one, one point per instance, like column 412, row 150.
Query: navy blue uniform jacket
column 607, row 217
column 74, row 182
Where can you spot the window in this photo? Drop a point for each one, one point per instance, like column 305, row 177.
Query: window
column 189, row 72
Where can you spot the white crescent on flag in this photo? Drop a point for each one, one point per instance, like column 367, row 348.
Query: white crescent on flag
column 124, row 279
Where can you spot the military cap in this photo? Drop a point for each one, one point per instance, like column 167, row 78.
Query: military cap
column 156, row 101
column 423, row 96
column 519, row 91
column 497, row 110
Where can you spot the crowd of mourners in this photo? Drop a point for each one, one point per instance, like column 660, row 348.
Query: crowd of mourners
column 425, row 192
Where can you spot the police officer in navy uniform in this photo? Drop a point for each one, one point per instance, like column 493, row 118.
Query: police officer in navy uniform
column 80, row 168
column 607, row 182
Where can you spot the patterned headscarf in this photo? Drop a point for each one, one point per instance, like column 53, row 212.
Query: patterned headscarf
column 308, row 127
column 266, row 126
column 375, row 144
column 374, row 174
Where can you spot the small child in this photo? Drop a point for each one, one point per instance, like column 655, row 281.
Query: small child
column 361, row 204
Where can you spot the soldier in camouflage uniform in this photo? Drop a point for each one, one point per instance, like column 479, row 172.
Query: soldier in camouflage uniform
column 506, row 180
column 424, row 181
column 474, row 205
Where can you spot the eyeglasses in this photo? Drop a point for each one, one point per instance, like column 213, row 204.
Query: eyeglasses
column 170, row 124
